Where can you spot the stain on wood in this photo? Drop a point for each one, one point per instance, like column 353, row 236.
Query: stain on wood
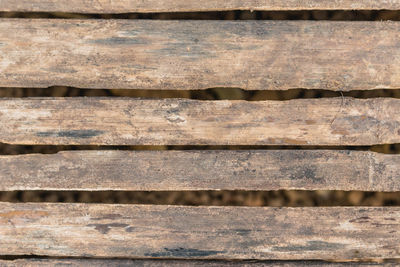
column 125, row 6
column 123, row 121
column 183, row 253
column 178, row 232
column 72, row 134
column 181, row 55
column 201, row 170
column 105, row 228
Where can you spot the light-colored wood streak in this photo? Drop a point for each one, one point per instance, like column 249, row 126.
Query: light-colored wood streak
column 181, row 55
column 202, row 170
column 151, row 231
column 124, row 121
column 125, row 6
column 34, row 262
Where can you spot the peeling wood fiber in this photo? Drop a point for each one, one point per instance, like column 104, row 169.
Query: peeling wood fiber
column 182, row 55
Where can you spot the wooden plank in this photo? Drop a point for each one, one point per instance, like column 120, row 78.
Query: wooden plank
column 202, row 170
column 182, row 232
column 181, row 55
column 124, row 121
column 149, row 262
column 125, row 6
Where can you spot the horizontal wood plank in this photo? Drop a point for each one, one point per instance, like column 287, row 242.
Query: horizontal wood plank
column 181, row 55
column 125, row 6
column 181, row 232
column 149, row 262
column 124, row 121
column 202, row 170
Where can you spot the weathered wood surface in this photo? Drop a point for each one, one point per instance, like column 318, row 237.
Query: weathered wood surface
column 126, row 262
column 253, row 55
column 202, row 170
column 151, row 231
column 125, row 6
column 124, row 121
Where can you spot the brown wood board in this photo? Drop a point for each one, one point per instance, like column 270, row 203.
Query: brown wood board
column 202, row 170
column 182, row 55
column 182, row 232
column 124, row 121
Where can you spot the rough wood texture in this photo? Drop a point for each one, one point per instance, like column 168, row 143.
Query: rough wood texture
column 125, row 6
column 180, row 232
column 202, row 170
column 259, row 55
column 124, row 121
column 144, row 263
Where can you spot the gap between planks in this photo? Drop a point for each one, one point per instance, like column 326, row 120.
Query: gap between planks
column 124, row 6
column 144, row 263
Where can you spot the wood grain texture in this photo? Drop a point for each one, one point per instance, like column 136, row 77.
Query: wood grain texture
column 181, row 55
column 202, row 170
column 124, row 121
column 181, row 232
column 125, row 6
column 149, row 262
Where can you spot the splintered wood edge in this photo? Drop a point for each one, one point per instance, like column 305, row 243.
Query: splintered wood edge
column 183, row 232
column 126, row 6
column 124, row 121
column 202, row 170
column 149, row 262
column 191, row 55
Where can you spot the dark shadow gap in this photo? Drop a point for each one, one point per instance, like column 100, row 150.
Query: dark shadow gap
column 281, row 198
column 7, row 149
column 126, row 261
column 207, row 94
column 334, row 15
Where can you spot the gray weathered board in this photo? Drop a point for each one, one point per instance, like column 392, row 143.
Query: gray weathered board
column 202, row 170
column 125, row 121
column 181, row 55
column 125, row 6
column 152, row 231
